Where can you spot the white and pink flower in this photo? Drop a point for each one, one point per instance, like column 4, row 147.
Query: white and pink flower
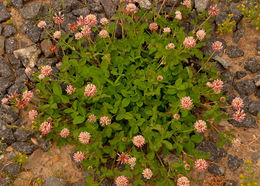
column 201, row 164
column 189, row 42
column 64, row 133
column 90, row 90
column 84, row 137
column 186, row 102
column 138, row 141
column 200, row 126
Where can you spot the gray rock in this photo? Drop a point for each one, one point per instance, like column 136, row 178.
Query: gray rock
column 53, row 181
column 47, row 61
column 81, row 12
column 11, row 155
column 68, row 19
column 240, row 74
column 44, row 144
column 17, row 87
column 211, row 147
column 5, row 83
column 19, row 122
column 254, row 107
column 217, row 170
column 96, row 7
column 28, row 55
column 8, row 113
column 1, row 28
column 234, row 162
column 238, row 35
column 45, row 46
column 22, row 135
column 227, row 76
column 225, row 63
column 12, row 169
column 258, row 45
column 221, row 17
column 5, row 69
column 171, row 157
column 10, row 45
column 9, row 30
column 252, row 65
column 245, row 87
column 237, row 14
column 233, row 51
column 207, row 50
column 2, row 45
column 255, row 156
column 31, row 29
column 4, row 14
column 109, row 7
column 6, row 133
column 248, row 122
column 24, row 147
column 31, row 11
column 17, row 3
column 230, row 183
column 201, row 5
column 16, row 63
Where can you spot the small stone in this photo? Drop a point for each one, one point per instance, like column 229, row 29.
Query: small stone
column 2, row 45
column 227, row 76
column 211, row 147
column 44, row 144
column 234, row 162
column 258, row 45
column 238, row 35
column 225, row 63
column 171, row 157
column 53, row 181
column 16, row 63
column 31, row 11
column 8, row 113
column 146, row 4
column 96, row 7
column 255, row 156
column 6, row 133
column 17, row 87
column 24, row 147
column 201, row 5
column 10, row 45
column 12, row 169
column 217, row 170
column 4, row 14
column 252, row 65
column 248, row 122
column 237, row 14
column 5, row 70
column 28, row 55
column 245, row 87
column 240, row 74
column 32, row 30
column 81, row 12
column 254, row 107
column 234, row 52
column 4, row 84
column 45, row 46
column 17, row 3
column 9, row 30
column 22, row 135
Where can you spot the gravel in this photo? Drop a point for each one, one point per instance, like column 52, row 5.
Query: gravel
column 9, row 30
column 234, row 52
column 31, row 11
column 234, row 162
column 245, row 87
column 252, row 65
column 4, row 14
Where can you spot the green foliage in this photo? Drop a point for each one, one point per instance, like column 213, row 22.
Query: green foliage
column 251, row 12
column 124, row 71
column 248, row 179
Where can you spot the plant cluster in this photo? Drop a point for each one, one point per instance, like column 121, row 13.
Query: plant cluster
column 228, row 25
column 248, row 180
column 130, row 96
column 20, row 158
column 251, row 12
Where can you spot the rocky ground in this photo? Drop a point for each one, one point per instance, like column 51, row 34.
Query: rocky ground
column 23, row 44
